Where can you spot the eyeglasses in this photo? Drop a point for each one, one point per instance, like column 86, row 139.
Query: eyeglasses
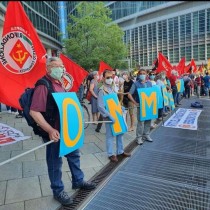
column 108, row 77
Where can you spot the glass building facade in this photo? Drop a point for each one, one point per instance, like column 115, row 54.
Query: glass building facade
column 186, row 36
column 177, row 29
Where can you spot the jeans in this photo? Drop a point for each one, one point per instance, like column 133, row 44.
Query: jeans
column 174, row 93
column 198, row 91
column 143, row 127
column 110, row 140
column 206, row 91
column 99, row 125
column 54, row 164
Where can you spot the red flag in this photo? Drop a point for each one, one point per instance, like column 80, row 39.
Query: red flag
column 193, row 66
column 22, row 60
column 181, row 66
column 187, row 68
column 164, row 65
column 74, row 75
column 103, row 66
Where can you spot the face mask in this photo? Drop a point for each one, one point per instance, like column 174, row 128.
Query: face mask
column 109, row 81
column 56, row 73
column 142, row 77
column 152, row 77
column 163, row 76
column 97, row 77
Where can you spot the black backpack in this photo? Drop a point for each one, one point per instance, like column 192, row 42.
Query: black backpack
column 25, row 102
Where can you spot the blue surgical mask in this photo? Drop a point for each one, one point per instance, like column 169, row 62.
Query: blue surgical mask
column 163, row 76
column 57, row 73
column 142, row 77
column 152, row 77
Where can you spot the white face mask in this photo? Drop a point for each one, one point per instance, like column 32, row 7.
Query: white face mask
column 109, row 81
column 97, row 77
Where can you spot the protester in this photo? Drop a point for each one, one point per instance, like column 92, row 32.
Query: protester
column 93, row 99
column 174, row 81
column 127, row 103
column 198, row 85
column 51, row 125
column 152, row 80
column 108, row 88
column 206, row 80
column 143, row 127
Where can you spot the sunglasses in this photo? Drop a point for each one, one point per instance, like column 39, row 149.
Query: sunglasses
column 152, row 74
column 108, row 77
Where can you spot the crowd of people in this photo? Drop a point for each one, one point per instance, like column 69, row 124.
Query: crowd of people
column 125, row 86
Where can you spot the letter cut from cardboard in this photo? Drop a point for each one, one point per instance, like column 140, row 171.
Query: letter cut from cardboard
column 113, row 106
column 71, row 122
column 148, row 98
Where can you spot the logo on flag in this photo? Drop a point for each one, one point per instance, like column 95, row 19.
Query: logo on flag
column 67, row 81
column 17, row 52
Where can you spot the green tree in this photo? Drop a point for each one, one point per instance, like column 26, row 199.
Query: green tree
column 93, row 37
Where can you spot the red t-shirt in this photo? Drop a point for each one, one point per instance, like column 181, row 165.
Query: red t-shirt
column 173, row 80
column 39, row 99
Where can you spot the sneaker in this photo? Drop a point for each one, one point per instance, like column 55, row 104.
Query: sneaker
column 64, row 199
column 124, row 154
column 84, row 185
column 139, row 141
column 9, row 111
column 148, row 138
column 96, row 130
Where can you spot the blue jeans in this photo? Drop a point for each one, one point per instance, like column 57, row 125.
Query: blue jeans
column 110, row 140
column 54, row 164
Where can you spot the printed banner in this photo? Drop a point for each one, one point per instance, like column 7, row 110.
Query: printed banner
column 184, row 118
column 113, row 106
column 148, row 103
column 71, row 122
column 9, row 135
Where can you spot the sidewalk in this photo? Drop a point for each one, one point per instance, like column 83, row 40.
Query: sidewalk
column 24, row 183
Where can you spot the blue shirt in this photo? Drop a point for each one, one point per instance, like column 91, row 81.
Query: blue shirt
column 206, row 80
column 135, row 86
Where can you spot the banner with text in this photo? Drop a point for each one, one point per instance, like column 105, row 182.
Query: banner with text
column 9, row 135
column 184, row 118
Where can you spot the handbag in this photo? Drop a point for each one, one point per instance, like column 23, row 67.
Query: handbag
column 89, row 94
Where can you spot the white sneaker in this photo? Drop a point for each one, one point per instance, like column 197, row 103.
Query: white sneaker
column 148, row 138
column 139, row 141
column 9, row 111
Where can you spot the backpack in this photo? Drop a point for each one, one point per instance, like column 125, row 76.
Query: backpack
column 25, row 102
column 196, row 104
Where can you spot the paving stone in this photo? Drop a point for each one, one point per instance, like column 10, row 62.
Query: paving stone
column 2, row 192
column 44, row 203
column 29, row 157
column 23, row 189
column 102, row 157
column 4, row 155
column 45, row 184
column 89, row 161
column 11, row 171
column 89, row 149
column 101, row 145
column 97, row 169
column 34, row 168
column 89, row 138
column 13, row 206
column 30, row 144
column 89, row 173
column 11, row 147
column 40, row 154
column 20, row 124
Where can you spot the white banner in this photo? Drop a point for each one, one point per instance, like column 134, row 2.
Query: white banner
column 9, row 135
column 184, row 118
